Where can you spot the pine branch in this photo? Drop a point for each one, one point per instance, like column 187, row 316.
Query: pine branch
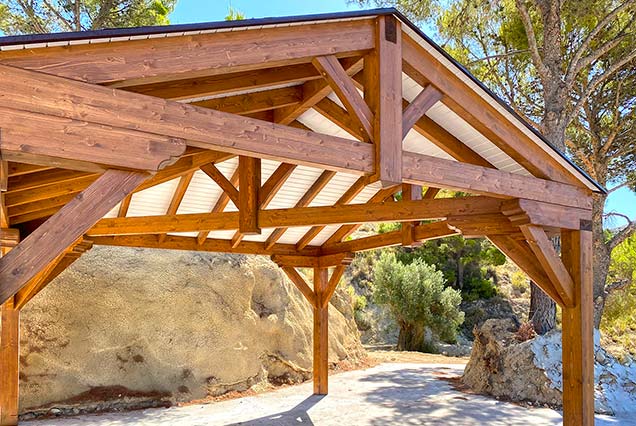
column 526, row 20
column 622, row 235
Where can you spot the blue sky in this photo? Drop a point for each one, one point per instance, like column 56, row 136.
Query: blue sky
column 188, row 11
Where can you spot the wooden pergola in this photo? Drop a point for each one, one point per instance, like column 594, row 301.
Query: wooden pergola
column 277, row 137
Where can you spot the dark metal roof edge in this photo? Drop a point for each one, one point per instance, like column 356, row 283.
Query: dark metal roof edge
column 205, row 26
column 128, row 32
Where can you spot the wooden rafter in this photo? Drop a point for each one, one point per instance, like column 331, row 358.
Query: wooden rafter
column 347, row 197
column 170, row 58
column 177, row 197
column 416, row 109
column 300, row 284
column 304, row 201
column 550, row 261
column 220, row 205
column 253, row 102
column 343, row 86
column 54, row 236
column 314, row 92
column 226, row 185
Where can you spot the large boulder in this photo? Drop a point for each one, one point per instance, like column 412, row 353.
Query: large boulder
column 502, row 366
column 124, row 326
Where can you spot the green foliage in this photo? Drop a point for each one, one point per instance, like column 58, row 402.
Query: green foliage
column 619, row 318
column 416, row 296
column 234, row 15
column 39, row 16
column 465, row 263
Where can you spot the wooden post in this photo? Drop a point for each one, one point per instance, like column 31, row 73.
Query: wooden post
column 578, row 331
column 321, row 332
column 249, row 184
column 9, row 360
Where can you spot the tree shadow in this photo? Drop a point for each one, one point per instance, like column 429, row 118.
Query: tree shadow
column 297, row 415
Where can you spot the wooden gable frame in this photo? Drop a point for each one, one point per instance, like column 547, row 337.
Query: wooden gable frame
column 322, row 104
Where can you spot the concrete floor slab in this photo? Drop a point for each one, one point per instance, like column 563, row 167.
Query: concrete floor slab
column 388, row 394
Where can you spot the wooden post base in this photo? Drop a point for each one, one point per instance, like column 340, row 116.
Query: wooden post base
column 578, row 332
column 321, row 333
column 9, row 363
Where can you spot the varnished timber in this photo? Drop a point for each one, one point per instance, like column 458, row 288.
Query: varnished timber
column 37, row 179
column 421, row 66
column 524, row 212
column 178, row 195
column 297, row 261
column 409, row 193
column 124, row 206
column 304, row 216
column 300, row 284
column 428, row 231
column 28, row 136
column 19, row 169
column 304, row 201
column 45, row 243
column 220, row 205
column 521, row 254
column 578, row 332
column 347, row 197
column 314, row 92
column 226, row 185
column 250, row 184
column 321, row 333
column 227, row 83
column 482, row 225
column 383, row 92
column 416, row 109
column 173, row 242
column 148, row 61
column 342, row 84
column 200, row 127
column 249, row 103
column 4, row 175
column 9, row 237
column 268, row 191
column 346, row 230
column 9, row 363
column 334, row 280
column 550, row 261
column 341, row 117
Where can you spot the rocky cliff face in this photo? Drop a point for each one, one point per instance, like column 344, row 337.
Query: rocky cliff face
column 127, row 325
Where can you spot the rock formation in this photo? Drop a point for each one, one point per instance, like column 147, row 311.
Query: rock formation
column 126, row 325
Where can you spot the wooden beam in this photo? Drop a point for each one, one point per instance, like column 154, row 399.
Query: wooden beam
column 383, row 92
column 252, row 102
column 9, row 237
column 28, row 136
column 19, row 169
column 341, row 117
column 461, row 97
column 428, row 231
column 420, row 105
column 314, row 92
column 216, row 85
column 173, row 242
column 342, row 84
column 300, row 284
column 410, row 193
column 304, row 201
column 226, row 185
column 326, row 261
column 250, row 184
column 521, row 254
column 220, row 205
column 481, row 225
column 45, row 192
column 430, row 193
column 347, row 197
column 524, row 212
column 4, row 175
column 38, row 179
column 346, row 230
column 550, row 261
column 178, row 195
column 9, row 363
column 45, row 243
column 578, row 331
column 161, row 59
column 201, row 127
column 124, row 206
column 337, row 273
column 321, row 333
column 438, row 172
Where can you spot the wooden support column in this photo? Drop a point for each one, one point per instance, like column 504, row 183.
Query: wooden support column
column 410, row 193
column 9, row 356
column 383, row 93
column 578, row 331
column 249, row 184
column 321, row 332
column 9, row 363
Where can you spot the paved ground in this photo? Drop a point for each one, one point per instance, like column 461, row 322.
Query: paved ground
column 388, row 394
